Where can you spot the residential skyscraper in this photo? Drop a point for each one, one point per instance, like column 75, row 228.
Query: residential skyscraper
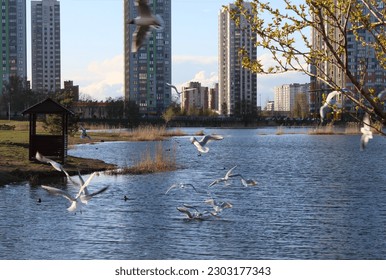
column 149, row 69
column 237, row 85
column 13, row 46
column 45, row 35
column 362, row 61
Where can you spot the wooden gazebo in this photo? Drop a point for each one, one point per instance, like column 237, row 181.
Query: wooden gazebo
column 48, row 145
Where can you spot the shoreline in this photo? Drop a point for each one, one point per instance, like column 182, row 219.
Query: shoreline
column 35, row 171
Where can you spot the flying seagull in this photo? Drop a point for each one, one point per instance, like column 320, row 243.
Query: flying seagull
column 84, row 134
column 227, row 176
column 86, row 195
column 366, row 131
column 329, row 101
column 218, row 207
column 248, row 182
column 180, row 186
column 144, row 22
column 54, row 164
column 200, row 144
column 76, row 203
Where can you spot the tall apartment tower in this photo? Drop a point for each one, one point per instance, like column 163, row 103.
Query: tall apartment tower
column 13, row 46
column 360, row 57
column 237, row 85
column 45, row 35
column 149, row 69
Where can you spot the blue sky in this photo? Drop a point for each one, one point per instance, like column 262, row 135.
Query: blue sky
column 92, row 46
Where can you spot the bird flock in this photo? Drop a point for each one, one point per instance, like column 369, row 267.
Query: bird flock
column 77, row 200
column 205, row 202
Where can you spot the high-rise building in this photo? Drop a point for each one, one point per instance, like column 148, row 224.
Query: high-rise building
column 13, row 46
column 45, row 36
column 237, row 85
column 149, row 69
column 360, row 59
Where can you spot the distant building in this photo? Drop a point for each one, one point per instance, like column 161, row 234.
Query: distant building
column 194, row 97
column 237, row 85
column 148, row 70
column 45, row 35
column 69, row 88
column 270, row 106
column 13, row 48
column 285, row 96
column 213, row 98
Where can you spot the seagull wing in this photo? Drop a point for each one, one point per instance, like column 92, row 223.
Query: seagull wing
column 56, row 191
column 54, row 164
column 185, row 211
column 228, row 174
column 330, row 96
column 173, row 87
column 139, row 37
column 211, row 137
column 366, row 122
column 171, row 187
column 199, row 146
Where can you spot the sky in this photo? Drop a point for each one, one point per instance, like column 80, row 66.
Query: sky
column 92, row 47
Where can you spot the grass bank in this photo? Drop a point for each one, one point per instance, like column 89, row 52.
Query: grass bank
column 15, row 165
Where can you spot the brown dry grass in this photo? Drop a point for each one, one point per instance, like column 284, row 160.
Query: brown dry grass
column 161, row 161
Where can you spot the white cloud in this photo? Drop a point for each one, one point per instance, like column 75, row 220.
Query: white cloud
column 203, row 78
column 103, row 79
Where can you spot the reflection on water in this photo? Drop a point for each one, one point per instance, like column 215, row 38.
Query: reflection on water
column 318, row 197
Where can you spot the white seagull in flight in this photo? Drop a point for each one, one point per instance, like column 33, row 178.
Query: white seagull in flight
column 82, row 197
column 227, row 176
column 54, row 164
column 329, row 101
column 144, row 22
column 366, row 131
column 200, row 144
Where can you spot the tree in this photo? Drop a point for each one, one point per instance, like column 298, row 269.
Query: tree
column 286, row 37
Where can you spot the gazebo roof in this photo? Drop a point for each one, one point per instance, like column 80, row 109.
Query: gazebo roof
column 47, row 106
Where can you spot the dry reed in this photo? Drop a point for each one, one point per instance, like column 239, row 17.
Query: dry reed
column 161, row 161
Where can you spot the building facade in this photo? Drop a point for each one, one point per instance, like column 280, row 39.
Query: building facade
column 360, row 59
column 285, row 96
column 194, row 97
column 13, row 46
column 149, row 69
column 45, row 46
column 237, row 85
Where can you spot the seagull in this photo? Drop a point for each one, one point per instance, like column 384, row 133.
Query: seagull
column 181, row 186
column 248, row 182
column 218, row 207
column 327, row 103
column 86, row 195
column 76, row 202
column 196, row 215
column 201, row 143
column 366, row 131
column 144, row 21
column 191, row 215
column 54, row 164
column 84, row 133
column 227, row 176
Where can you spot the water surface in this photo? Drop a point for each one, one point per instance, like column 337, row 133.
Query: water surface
column 318, row 197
